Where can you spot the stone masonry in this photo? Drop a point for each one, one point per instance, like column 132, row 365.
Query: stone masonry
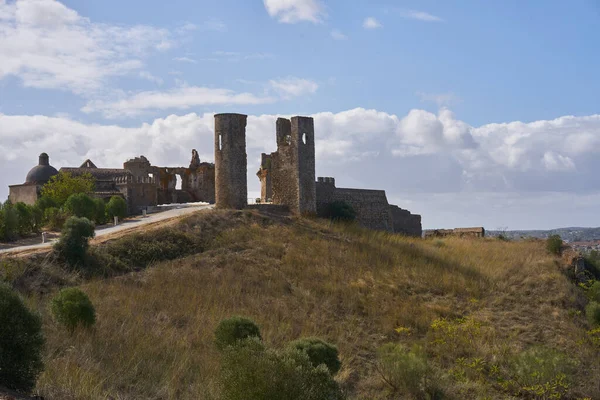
column 372, row 208
column 290, row 174
column 231, row 182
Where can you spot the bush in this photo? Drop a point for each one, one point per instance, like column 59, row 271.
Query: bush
column 319, row 352
column 100, row 211
column 592, row 312
column 116, row 207
column 45, row 202
column 251, row 372
column 55, row 218
column 9, row 222
column 340, row 211
column 403, row 369
column 231, row 330
column 72, row 307
column 554, row 244
column 74, row 240
column 21, row 342
column 26, row 223
column 594, row 291
column 81, row 205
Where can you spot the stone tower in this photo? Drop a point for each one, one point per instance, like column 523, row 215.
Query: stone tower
column 231, row 182
column 293, row 165
column 264, row 175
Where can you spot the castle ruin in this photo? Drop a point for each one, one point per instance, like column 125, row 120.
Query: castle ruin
column 231, row 181
column 287, row 178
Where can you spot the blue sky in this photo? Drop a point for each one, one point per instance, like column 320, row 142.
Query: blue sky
column 468, row 112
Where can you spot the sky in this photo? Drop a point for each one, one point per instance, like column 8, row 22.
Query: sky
column 470, row 113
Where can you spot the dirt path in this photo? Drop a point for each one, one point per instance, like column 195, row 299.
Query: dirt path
column 110, row 232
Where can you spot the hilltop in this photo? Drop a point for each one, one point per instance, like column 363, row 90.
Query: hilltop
column 482, row 310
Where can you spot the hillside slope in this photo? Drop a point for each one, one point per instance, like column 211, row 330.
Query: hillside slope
column 474, row 306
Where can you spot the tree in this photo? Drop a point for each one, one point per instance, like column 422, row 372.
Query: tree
column 116, row 207
column 554, row 244
column 100, row 211
column 74, row 240
column 80, row 205
column 72, row 307
column 26, row 223
column 340, row 211
column 21, row 342
column 9, row 222
column 62, row 186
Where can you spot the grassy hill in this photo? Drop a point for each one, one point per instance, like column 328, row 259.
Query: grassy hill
column 494, row 319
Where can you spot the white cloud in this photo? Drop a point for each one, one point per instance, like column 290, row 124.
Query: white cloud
column 47, row 45
column 292, row 87
column 152, row 78
column 338, row 35
column 293, row 11
column 182, row 98
column 371, row 23
column 185, row 60
column 420, row 15
column 510, row 174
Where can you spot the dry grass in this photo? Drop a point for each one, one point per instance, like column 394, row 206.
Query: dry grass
column 353, row 287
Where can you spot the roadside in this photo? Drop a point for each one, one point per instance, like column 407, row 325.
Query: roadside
column 107, row 232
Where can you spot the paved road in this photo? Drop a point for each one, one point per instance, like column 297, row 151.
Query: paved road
column 128, row 224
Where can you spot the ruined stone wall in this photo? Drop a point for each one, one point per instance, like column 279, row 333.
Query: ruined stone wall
column 293, row 165
column 199, row 182
column 371, row 206
column 231, row 185
column 325, row 190
column 406, row 223
column 264, row 175
column 27, row 194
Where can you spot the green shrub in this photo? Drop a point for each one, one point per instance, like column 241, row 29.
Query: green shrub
column 99, row 211
column 45, row 202
column 592, row 312
column 340, row 211
column 74, row 240
column 251, row 372
column 542, row 373
column 81, row 205
column 403, row 369
column 72, row 307
column 9, row 222
column 319, row 352
column 21, row 342
column 554, row 244
column 594, row 291
column 141, row 249
column 55, row 218
column 64, row 185
column 116, row 207
column 26, row 223
column 231, row 330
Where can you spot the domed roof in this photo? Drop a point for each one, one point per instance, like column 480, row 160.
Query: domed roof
column 43, row 172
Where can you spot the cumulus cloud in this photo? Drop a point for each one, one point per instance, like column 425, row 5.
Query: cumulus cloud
column 48, row 45
column 185, row 97
column 292, row 86
column 181, row 98
column 293, row 11
column 435, row 164
column 371, row 23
